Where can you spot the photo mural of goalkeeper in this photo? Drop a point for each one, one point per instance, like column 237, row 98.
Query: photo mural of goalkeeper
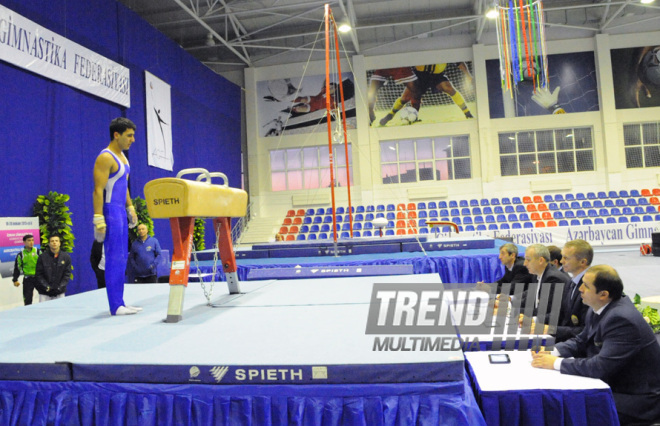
column 432, row 93
column 636, row 73
column 572, row 88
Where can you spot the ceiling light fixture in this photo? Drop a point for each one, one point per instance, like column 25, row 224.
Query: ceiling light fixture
column 647, row 1
column 344, row 28
column 492, row 13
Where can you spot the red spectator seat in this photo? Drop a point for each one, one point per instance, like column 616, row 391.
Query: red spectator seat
column 297, row 220
column 527, row 200
column 412, row 215
column 654, row 201
column 300, row 212
column 412, row 231
column 400, row 223
column 401, row 215
column 538, row 199
column 291, row 213
column 646, row 193
column 531, row 207
column 401, row 232
column 542, row 207
column 284, row 230
column 552, row 223
column 293, row 230
column 287, row 221
column 656, row 191
column 400, row 207
column 535, row 216
column 539, row 224
column 412, row 206
column 546, row 215
column 290, row 237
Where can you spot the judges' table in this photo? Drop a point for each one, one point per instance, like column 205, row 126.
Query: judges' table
column 519, row 394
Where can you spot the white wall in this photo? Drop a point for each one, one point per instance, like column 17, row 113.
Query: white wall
column 607, row 124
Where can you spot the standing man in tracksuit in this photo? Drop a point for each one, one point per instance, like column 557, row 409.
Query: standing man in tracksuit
column 26, row 264
column 114, row 211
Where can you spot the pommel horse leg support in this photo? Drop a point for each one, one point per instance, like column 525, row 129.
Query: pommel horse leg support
column 226, row 249
column 182, row 237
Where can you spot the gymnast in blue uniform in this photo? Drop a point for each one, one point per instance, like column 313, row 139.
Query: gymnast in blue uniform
column 114, row 212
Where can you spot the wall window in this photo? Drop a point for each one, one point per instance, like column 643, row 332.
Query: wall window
column 642, row 142
column 546, row 151
column 426, row 159
column 308, row 168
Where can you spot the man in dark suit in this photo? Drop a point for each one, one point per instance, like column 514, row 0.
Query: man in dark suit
column 577, row 256
column 616, row 346
column 537, row 261
column 515, row 270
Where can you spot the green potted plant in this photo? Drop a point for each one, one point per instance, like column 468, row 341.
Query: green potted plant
column 198, row 235
column 54, row 218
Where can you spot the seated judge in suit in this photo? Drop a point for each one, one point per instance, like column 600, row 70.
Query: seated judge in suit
column 616, row 346
column 515, row 270
column 537, row 261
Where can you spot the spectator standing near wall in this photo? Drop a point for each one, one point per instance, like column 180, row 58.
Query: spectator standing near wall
column 26, row 264
column 53, row 271
column 144, row 255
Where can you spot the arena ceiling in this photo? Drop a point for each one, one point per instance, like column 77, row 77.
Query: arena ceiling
column 230, row 35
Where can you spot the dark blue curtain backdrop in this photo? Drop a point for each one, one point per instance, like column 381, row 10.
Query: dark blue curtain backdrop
column 52, row 133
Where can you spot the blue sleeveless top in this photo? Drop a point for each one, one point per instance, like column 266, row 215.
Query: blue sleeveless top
column 115, row 189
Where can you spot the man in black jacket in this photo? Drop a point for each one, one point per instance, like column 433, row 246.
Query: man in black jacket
column 53, row 271
column 515, row 270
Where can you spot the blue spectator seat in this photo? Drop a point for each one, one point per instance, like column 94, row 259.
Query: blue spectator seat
column 623, row 194
column 631, row 202
column 468, row 228
column 323, row 236
column 314, row 229
column 575, row 222
column 390, row 208
column 614, row 211
column 359, row 217
column 650, row 209
column 367, row 234
column 432, row 205
column 509, row 209
column 443, row 212
column 575, row 205
column 456, row 220
column 635, row 219
column 325, row 228
column 570, row 197
column 498, row 210
column 467, row 220
column 307, row 220
column 634, row 193
column 433, row 213
column 340, row 210
column 390, row 224
column 390, row 216
column 328, row 210
column 520, row 208
column 424, row 231
column 627, row 211
column 474, row 203
column 347, row 218
column 587, row 221
column 490, row 218
column 476, row 210
column 304, row 229
column 591, row 196
column 492, row 227
column 380, row 208
column 421, row 223
column 481, row 227
column 586, row 204
column 320, row 211
column 453, row 204
column 504, row 226
column 478, row 219
column 309, row 212
column 599, row 221
column 512, row 217
column 327, row 219
column 602, row 195
column 611, row 220
column 622, row 219
column 357, row 234
column 465, row 211
column 557, row 215
column 318, row 219
column 516, row 200
column 494, row 202
column 454, row 212
column 368, row 225
column 441, row 205
column 647, row 218
column 607, row 203
column 369, row 217
column 389, row 232
column 639, row 210
column 484, row 202
column 568, row 214
column 553, row 206
column 657, row 217
column 523, row 217
column 487, row 210
column 528, row 225
column 516, row 225
column 506, row 201
column 501, row 218
column 421, row 205
column 339, row 218
column 301, row 237
column 592, row 213
column 564, row 206
column 563, row 222
column 311, row 237
column 580, row 196
column 370, row 209
column 559, row 197
column 360, row 209
column 613, row 194
column 422, row 214
column 599, row 204
column 346, row 227
column 463, row 203
column 642, row 201
column 548, row 198
column 620, row 202
column 344, row 235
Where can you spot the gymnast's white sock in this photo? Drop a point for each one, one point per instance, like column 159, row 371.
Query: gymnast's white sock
column 123, row 310
column 135, row 308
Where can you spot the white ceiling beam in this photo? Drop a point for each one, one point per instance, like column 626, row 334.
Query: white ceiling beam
column 614, row 15
column 350, row 15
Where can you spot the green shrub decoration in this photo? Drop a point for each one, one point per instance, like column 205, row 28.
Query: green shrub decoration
column 198, row 235
column 54, row 218
column 142, row 217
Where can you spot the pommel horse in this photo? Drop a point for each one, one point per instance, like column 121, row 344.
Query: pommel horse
column 183, row 200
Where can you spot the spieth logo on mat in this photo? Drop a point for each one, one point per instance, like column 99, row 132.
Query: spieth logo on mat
column 219, row 372
column 466, row 311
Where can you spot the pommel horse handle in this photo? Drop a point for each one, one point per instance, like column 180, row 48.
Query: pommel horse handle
column 182, row 200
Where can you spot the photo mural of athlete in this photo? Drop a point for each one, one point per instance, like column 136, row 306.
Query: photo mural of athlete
column 114, row 212
column 433, row 77
column 304, row 104
column 404, row 76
